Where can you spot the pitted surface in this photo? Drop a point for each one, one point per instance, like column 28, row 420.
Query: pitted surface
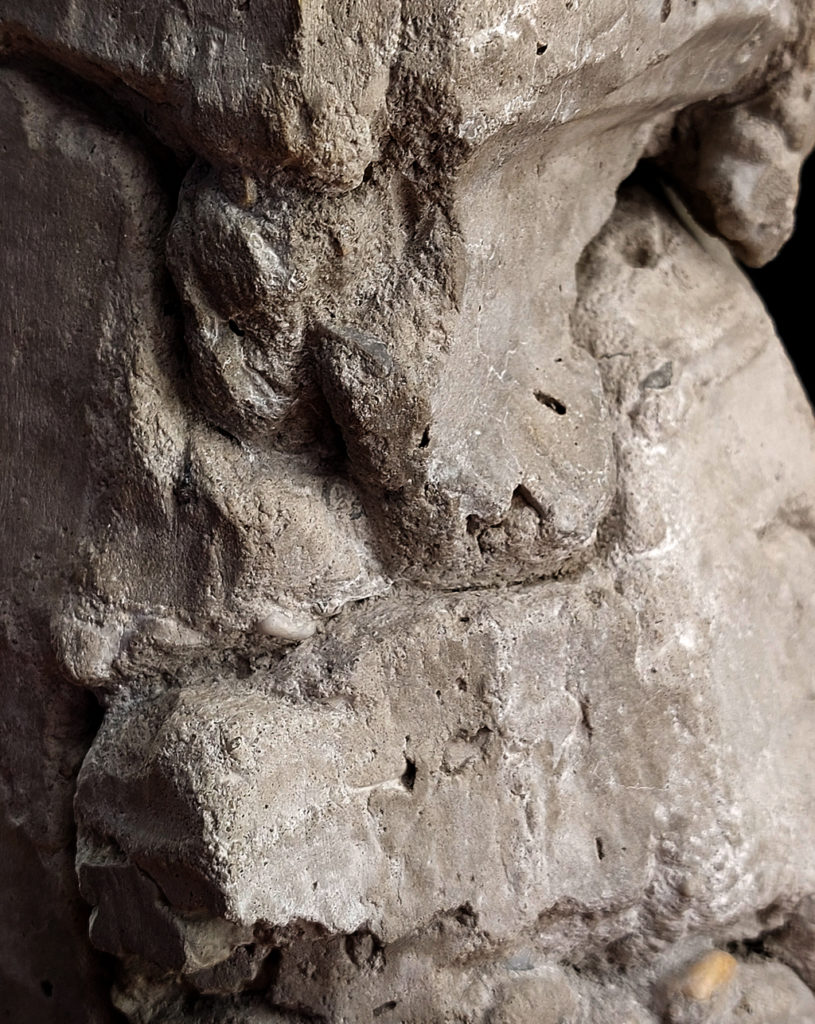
column 430, row 514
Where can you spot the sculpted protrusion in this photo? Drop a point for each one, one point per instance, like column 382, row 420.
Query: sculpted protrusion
column 408, row 580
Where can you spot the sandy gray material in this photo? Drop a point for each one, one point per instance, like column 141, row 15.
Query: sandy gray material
column 408, row 563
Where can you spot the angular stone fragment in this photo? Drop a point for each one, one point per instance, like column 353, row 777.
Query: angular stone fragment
column 739, row 163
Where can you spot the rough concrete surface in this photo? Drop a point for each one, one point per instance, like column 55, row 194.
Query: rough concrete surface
column 408, row 566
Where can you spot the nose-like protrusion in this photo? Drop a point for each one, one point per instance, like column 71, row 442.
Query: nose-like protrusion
column 474, row 429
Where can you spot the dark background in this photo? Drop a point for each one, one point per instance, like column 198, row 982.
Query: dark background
column 787, row 285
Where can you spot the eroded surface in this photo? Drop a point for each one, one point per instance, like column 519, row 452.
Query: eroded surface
column 442, row 560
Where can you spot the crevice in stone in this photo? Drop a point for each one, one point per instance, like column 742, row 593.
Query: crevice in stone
column 408, row 778
column 551, row 403
column 585, row 715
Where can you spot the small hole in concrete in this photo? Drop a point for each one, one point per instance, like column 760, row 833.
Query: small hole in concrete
column 551, row 403
column 541, row 48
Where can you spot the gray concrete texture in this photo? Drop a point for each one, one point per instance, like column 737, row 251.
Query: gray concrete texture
column 408, row 563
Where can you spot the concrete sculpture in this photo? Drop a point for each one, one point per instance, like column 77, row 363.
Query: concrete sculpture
column 409, row 557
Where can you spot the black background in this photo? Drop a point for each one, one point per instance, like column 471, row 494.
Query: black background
column 787, row 285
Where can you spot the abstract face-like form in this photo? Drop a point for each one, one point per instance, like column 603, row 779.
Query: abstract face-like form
column 436, row 504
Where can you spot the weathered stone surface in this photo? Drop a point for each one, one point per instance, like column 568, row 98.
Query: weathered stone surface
column 80, row 284
column 369, row 751
column 409, row 571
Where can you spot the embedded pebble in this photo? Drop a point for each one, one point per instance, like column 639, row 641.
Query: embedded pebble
column 702, row 980
column 286, row 625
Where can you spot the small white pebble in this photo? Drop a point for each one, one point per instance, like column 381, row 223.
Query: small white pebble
column 287, row 625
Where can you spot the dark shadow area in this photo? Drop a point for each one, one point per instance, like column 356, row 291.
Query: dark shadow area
column 785, row 284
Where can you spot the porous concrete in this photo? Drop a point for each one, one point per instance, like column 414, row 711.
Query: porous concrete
column 408, row 563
